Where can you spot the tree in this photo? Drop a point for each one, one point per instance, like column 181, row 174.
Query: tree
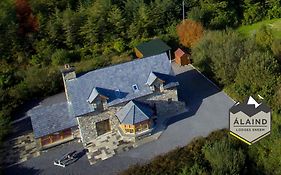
column 142, row 24
column 28, row 23
column 72, row 21
column 257, row 74
column 54, row 29
column 117, row 22
column 189, row 32
column 253, row 11
column 274, row 10
column 95, row 28
column 219, row 54
column 8, row 28
column 216, row 14
column 60, row 57
column 264, row 152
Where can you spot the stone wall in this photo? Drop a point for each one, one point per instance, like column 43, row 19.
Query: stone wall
column 163, row 105
column 87, row 124
column 75, row 132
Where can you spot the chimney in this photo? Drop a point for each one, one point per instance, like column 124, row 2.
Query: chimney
column 68, row 73
column 66, row 66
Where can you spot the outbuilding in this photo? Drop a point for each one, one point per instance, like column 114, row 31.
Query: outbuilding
column 181, row 57
column 151, row 48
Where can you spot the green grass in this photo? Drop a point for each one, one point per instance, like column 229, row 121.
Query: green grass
column 274, row 24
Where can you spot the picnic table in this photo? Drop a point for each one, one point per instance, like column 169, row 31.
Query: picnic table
column 66, row 159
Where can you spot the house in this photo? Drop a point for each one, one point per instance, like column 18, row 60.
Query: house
column 152, row 47
column 124, row 99
column 181, row 57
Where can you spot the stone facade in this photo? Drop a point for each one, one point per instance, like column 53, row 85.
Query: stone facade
column 166, row 104
column 87, row 123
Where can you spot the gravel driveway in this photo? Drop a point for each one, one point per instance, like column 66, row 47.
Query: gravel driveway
column 208, row 111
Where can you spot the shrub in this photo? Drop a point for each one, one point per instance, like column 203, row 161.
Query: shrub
column 257, row 74
column 119, row 46
column 266, row 152
column 276, row 49
column 219, row 54
column 264, row 37
column 224, row 158
column 60, row 56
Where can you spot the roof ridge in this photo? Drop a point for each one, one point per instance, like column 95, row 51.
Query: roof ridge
column 134, row 115
column 129, row 62
column 141, row 110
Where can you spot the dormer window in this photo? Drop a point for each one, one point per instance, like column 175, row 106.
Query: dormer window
column 155, row 82
column 135, row 88
column 98, row 99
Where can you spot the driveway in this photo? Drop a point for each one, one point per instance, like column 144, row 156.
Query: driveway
column 208, row 111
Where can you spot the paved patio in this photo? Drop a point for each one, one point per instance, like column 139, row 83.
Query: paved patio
column 208, row 111
column 106, row 146
column 18, row 150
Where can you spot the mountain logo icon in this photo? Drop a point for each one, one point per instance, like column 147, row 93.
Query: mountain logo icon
column 250, row 121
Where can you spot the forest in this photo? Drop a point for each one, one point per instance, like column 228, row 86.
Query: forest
column 38, row 36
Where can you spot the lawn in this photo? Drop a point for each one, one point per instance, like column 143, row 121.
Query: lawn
column 274, row 24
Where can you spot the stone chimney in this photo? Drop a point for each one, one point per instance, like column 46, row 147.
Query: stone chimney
column 68, row 73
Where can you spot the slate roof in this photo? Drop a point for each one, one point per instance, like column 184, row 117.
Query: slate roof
column 153, row 47
column 119, row 77
column 134, row 112
column 96, row 92
column 49, row 119
column 109, row 94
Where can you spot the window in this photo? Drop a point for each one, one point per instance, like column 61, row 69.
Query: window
column 135, row 88
column 117, row 93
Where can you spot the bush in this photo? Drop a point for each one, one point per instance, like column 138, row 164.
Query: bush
column 219, row 54
column 119, row 46
column 265, row 153
column 257, row 74
column 276, row 48
column 264, row 37
column 224, row 158
column 60, row 57
column 172, row 162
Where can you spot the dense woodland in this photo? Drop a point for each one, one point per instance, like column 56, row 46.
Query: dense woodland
column 38, row 36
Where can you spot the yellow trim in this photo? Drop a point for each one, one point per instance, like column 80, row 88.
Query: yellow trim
column 243, row 140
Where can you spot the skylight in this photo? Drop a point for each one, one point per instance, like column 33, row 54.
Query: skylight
column 135, row 88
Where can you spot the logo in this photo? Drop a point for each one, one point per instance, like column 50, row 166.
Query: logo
column 250, row 121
